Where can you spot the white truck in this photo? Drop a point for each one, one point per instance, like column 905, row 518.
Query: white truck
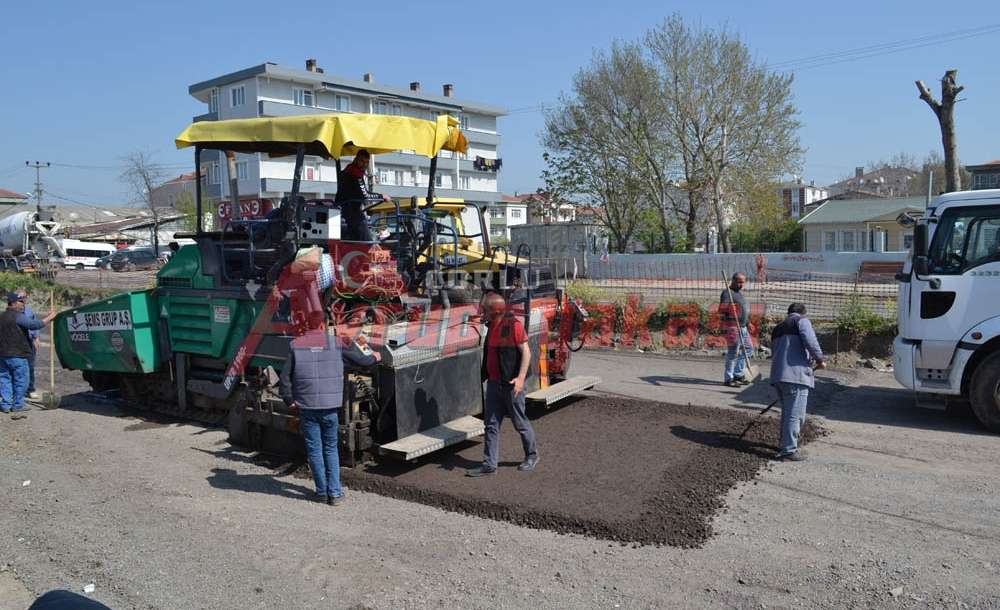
column 28, row 243
column 949, row 304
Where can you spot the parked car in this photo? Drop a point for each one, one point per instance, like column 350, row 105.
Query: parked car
column 132, row 260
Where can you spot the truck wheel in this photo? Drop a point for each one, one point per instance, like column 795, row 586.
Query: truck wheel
column 983, row 392
column 79, row 266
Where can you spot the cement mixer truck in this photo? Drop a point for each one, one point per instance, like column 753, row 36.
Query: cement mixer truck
column 28, row 244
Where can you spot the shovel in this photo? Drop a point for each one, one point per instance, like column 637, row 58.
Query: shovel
column 752, row 371
column 757, row 417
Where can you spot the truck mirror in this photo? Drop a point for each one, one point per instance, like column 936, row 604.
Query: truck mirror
column 920, row 241
column 921, row 264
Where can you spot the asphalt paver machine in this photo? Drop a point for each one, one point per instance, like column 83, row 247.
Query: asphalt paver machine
column 208, row 340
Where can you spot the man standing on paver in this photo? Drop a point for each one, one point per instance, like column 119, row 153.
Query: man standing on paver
column 33, row 340
column 796, row 353
column 735, row 316
column 15, row 350
column 506, row 359
column 312, row 382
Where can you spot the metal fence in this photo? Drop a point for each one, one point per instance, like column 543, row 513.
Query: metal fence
column 769, row 291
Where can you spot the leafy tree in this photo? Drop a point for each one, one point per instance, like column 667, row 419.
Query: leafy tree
column 185, row 204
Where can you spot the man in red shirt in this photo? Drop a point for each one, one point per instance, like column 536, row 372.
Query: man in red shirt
column 505, row 367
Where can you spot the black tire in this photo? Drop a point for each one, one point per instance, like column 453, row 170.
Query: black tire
column 983, row 392
column 79, row 267
column 130, row 267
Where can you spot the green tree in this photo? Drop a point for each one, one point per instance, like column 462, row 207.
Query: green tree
column 185, row 204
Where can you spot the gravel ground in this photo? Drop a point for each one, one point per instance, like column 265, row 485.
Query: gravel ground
column 662, row 486
column 896, row 508
column 101, row 278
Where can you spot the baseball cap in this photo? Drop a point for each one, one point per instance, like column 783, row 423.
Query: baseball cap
column 13, row 297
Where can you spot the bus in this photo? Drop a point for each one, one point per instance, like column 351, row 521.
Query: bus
column 84, row 254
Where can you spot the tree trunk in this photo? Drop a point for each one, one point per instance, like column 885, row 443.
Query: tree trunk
column 945, row 113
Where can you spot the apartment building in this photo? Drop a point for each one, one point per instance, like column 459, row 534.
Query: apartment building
column 271, row 90
column 796, row 195
column 510, row 211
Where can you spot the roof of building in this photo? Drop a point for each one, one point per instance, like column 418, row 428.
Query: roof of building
column 994, row 164
column 188, row 177
column 5, row 194
column 328, row 80
column 861, row 210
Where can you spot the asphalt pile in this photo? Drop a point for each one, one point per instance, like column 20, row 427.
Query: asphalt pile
column 625, row 470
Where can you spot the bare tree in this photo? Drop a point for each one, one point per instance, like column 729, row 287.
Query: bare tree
column 731, row 117
column 945, row 113
column 141, row 175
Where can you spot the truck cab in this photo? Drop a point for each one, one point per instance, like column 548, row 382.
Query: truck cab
column 948, row 340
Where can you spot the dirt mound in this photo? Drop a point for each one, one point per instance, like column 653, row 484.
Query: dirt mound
column 620, row 469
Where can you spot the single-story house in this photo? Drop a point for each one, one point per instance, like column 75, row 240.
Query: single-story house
column 860, row 225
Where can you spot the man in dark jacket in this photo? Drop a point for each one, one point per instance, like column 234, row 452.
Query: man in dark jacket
column 312, row 381
column 735, row 316
column 33, row 340
column 506, row 359
column 353, row 195
column 795, row 353
column 15, row 350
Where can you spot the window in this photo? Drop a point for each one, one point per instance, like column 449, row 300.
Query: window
column 830, row 241
column 864, row 241
column 397, row 177
column 387, row 108
column 342, row 103
column 237, row 96
column 908, row 241
column 302, row 97
column 384, row 177
column 847, row 241
column 465, row 183
column 213, row 101
column 213, row 174
column 438, row 180
column 310, row 171
column 965, row 238
column 464, row 121
column 241, row 170
column 496, row 213
column 515, row 213
column 445, row 154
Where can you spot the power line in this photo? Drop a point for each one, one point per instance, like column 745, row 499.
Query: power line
column 849, row 55
column 835, row 57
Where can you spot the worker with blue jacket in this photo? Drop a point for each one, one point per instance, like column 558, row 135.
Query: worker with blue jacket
column 795, row 355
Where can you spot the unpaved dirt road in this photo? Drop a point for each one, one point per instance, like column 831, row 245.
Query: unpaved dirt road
column 896, row 508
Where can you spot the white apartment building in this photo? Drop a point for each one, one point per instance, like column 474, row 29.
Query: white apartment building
column 510, row 211
column 795, row 196
column 270, row 90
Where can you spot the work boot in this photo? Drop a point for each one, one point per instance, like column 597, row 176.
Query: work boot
column 18, row 414
column 741, row 381
column 335, row 500
column 796, row 456
column 480, row 472
column 528, row 464
column 731, row 383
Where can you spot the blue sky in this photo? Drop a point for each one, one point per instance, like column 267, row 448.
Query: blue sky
column 86, row 83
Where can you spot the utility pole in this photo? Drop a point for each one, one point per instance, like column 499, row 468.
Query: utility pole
column 38, row 181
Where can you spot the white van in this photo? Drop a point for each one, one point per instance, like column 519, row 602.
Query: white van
column 84, row 254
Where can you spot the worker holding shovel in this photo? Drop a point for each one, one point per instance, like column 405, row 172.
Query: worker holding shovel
column 796, row 354
column 736, row 316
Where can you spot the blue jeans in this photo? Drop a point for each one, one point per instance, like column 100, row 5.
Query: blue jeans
column 13, row 383
column 501, row 401
column 735, row 362
column 794, row 397
column 320, row 430
column 31, row 367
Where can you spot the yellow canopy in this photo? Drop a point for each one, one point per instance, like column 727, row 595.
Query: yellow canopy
column 328, row 135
